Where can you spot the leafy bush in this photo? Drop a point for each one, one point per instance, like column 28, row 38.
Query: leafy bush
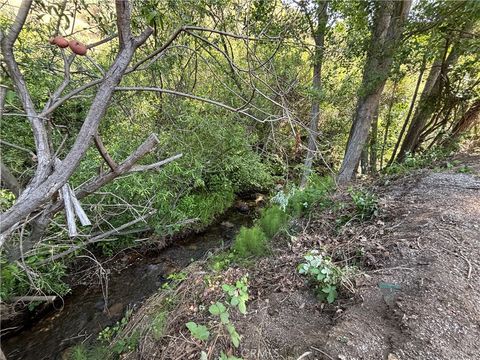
column 366, row 204
column 298, row 202
column 47, row 278
column 324, row 275
column 250, row 242
column 272, row 220
column 416, row 162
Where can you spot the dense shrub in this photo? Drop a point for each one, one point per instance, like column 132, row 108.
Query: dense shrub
column 250, row 242
column 272, row 220
column 301, row 201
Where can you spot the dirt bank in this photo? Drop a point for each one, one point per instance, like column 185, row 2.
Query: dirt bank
column 418, row 296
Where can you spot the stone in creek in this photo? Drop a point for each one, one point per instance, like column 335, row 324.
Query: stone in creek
column 100, row 305
column 115, row 310
column 242, row 206
column 227, row 224
column 153, row 267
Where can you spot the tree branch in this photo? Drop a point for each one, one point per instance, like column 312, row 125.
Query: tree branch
column 96, row 239
column 9, row 180
column 38, row 126
column 190, row 96
column 103, row 151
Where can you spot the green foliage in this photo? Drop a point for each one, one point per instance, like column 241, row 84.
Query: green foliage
column 324, row 275
column 297, row 202
column 465, row 169
column 107, row 334
column 157, row 326
column 83, row 352
column 272, row 220
column 238, row 294
column 412, row 163
column 222, row 260
column 366, row 204
column 6, row 199
column 47, row 278
column 199, row 332
column 250, row 242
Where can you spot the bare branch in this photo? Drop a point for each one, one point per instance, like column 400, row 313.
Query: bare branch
column 148, row 145
column 9, row 180
column 97, row 238
column 156, row 165
column 101, row 42
column 30, row 152
column 39, row 130
column 103, row 151
column 190, row 96
column 37, row 195
column 123, row 22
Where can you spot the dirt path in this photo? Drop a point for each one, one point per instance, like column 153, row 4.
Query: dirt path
column 427, row 305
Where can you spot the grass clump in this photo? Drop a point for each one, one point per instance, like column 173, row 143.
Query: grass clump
column 302, row 201
column 250, row 242
column 158, row 324
column 366, row 204
column 272, row 220
column 82, row 352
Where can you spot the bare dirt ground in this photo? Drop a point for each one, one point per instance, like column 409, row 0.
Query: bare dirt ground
column 432, row 233
column 418, row 296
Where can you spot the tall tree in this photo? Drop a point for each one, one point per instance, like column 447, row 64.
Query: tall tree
column 389, row 18
column 318, row 33
column 428, row 101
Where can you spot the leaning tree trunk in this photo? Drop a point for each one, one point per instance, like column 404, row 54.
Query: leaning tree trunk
column 427, row 103
column 388, row 25
column 430, row 96
column 319, row 37
column 48, row 179
column 409, row 114
column 464, row 124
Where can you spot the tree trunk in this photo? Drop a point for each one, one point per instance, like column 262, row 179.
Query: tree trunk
column 41, row 191
column 373, row 144
column 319, row 37
column 364, row 160
column 464, row 124
column 388, row 123
column 430, row 97
column 388, row 25
column 410, row 111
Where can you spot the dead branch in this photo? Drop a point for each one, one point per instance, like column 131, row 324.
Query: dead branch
column 97, row 238
column 156, row 165
column 9, row 180
column 39, row 193
column 240, row 110
column 104, row 153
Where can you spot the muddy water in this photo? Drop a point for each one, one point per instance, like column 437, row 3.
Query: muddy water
column 82, row 314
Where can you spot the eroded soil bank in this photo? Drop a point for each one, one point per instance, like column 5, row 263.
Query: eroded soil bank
column 418, row 296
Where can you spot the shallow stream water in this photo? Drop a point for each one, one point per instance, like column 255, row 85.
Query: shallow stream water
column 82, row 314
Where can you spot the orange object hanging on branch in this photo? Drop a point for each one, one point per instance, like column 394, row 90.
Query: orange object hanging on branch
column 77, row 47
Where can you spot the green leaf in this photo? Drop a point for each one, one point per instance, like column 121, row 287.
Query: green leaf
column 199, row 332
column 242, row 307
column 234, row 336
column 217, row 308
column 224, row 318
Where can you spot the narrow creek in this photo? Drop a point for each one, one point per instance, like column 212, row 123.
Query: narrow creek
column 81, row 315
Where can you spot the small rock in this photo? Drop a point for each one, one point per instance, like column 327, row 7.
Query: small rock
column 227, row 224
column 115, row 310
